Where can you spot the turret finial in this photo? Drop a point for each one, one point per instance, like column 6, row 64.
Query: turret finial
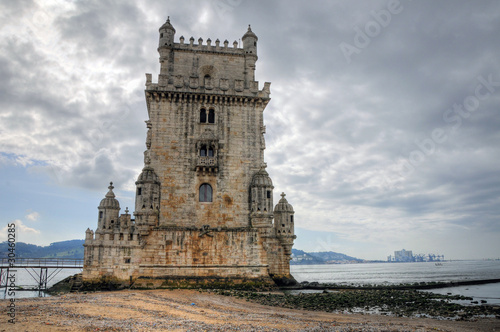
column 110, row 193
column 283, row 195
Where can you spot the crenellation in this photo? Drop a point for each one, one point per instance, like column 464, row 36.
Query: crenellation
column 204, row 201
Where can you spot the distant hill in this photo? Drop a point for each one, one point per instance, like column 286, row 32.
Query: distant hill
column 300, row 257
column 74, row 249
column 63, row 249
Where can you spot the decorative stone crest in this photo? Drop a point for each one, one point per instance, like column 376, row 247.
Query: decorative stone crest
column 205, row 230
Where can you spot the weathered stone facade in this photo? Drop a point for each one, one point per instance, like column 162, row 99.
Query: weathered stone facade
column 204, row 201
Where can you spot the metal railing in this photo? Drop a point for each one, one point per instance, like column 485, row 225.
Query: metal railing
column 68, row 263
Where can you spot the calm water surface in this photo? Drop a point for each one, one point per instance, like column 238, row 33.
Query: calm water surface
column 401, row 273
column 27, row 279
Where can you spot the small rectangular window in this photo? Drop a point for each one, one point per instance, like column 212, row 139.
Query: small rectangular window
column 100, row 214
column 269, row 194
column 203, row 115
column 211, row 116
column 127, row 260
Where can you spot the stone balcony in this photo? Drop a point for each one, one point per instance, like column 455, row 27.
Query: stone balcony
column 207, row 164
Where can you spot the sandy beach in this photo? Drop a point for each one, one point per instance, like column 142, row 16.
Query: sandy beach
column 190, row 310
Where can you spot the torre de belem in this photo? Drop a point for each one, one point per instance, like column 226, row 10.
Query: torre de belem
column 204, row 200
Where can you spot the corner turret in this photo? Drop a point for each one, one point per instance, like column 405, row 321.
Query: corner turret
column 147, row 196
column 167, row 33
column 109, row 210
column 249, row 40
column 250, row 48
column 283, row 224
column 165, row 48
column 261, row 196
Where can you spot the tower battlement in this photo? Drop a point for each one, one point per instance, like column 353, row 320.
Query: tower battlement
column 234, row 49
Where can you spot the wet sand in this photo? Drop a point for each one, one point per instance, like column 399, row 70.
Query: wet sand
column 189, row 310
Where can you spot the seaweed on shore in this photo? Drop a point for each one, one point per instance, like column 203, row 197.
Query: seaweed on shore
column 405, row 303
column 416, row 285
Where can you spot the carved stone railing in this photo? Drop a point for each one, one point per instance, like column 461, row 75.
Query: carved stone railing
column 207, row 161
column 207, row 164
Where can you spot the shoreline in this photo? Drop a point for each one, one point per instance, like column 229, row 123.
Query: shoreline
column 421, row 285
column 183, row 310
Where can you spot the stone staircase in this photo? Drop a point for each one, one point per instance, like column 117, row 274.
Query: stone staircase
column 76, row 283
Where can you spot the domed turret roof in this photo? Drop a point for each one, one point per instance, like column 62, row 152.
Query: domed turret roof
column 262, row 179
column 167, row 25
column 109, row 201
column 147, row 175
column 249, row 33
column 283, row 205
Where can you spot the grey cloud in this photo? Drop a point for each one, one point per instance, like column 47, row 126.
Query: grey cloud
column 338, row 133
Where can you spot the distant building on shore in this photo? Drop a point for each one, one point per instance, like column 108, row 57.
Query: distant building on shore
column 407, row 256
column 403, row 256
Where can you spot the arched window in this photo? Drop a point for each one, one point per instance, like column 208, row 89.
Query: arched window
column 203, row 151
column 207, row 80
column 211, row 116
column 203, row 115
column 210, row 152
column 205, row 193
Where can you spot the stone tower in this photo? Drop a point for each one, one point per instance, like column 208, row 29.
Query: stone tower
column 204, row 200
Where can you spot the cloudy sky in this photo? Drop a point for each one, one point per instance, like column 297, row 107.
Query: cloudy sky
column 383, row 128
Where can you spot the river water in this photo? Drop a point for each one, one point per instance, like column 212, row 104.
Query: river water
column 28, row 278
column 358, row 274
column 409, row 273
